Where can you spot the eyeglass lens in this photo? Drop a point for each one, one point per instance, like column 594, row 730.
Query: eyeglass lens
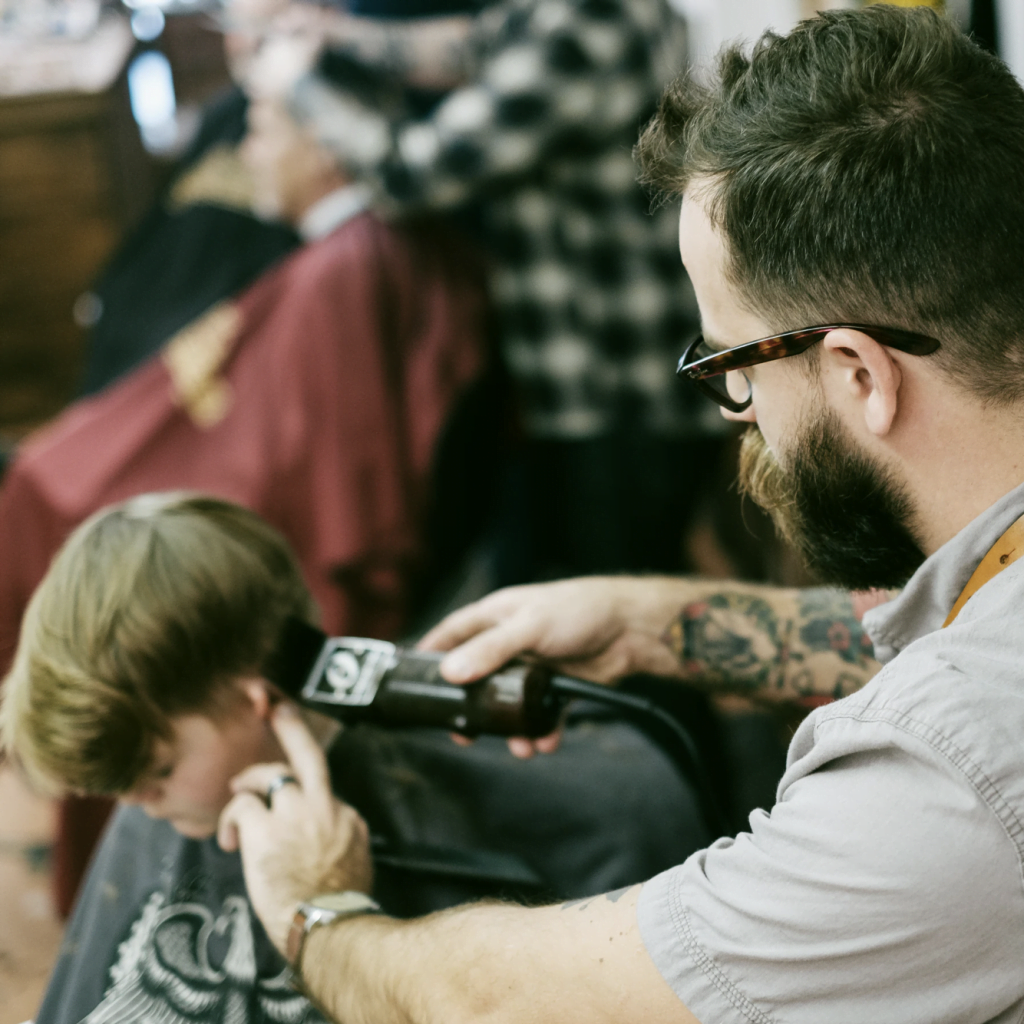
column 734, row 384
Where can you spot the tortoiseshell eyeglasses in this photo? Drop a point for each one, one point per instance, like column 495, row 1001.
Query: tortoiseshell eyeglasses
column 718, row 373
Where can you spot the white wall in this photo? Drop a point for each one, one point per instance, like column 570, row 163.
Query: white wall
column 715, row 22
column 1010, row 14
column 712, row 23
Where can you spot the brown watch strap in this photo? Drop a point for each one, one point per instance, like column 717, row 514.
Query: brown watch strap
column 324, row 910
column 296, row 934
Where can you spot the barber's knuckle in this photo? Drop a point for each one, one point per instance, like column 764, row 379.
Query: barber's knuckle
column 509, row 597
column 530, row 619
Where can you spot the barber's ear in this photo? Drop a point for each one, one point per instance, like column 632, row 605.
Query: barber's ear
column 869, row 374
column 260, row 694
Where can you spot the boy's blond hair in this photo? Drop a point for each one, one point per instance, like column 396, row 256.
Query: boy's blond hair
column 150, row 610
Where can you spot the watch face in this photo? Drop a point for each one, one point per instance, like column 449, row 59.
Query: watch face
column 342, row 902
column 325, row 910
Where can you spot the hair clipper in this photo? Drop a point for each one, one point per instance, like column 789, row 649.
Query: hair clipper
column 354, row 679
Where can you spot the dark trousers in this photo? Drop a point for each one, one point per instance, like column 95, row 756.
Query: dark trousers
column 615, row 504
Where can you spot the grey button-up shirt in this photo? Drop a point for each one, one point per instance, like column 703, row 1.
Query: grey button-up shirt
column 887, row 883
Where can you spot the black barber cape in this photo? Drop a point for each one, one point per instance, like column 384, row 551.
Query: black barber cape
column 163, row 930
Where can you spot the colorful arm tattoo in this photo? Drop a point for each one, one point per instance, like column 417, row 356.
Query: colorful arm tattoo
column 781, row 644
column 611, row 897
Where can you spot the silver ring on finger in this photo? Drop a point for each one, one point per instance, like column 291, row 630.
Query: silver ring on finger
column 278, row 783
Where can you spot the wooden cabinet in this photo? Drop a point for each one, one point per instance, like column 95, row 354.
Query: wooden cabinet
column 73, row 176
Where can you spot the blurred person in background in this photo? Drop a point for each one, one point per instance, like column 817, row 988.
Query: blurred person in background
column 205, row 238
column 591, row 302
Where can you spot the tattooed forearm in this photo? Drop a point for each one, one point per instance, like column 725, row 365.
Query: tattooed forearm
column 774, row 643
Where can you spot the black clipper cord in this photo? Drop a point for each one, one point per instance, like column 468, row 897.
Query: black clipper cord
column 681, row 748
column 354, row 679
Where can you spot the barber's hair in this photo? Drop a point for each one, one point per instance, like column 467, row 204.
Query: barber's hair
column 152, row 608
column 867, row 168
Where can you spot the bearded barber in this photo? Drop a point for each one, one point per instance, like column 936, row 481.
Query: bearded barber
column 853, row 201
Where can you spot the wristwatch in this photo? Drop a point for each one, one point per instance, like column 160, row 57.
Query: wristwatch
column 321, row 910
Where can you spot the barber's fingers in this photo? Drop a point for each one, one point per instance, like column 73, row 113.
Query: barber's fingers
column 259, row 778
column 524, row 749
column 489, row 650
column 458, row 627
column 548, row 744
column 244, row 810
column 494, row 609
column 303, row 752
column 485, row 635
column 521, row 747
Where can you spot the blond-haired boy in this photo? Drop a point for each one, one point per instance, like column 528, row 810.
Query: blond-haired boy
column 137, row 673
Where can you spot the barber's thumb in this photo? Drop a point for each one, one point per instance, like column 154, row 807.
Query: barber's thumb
column 232, row 819
column 477, row 657
column 458, row 667
column 227, row 834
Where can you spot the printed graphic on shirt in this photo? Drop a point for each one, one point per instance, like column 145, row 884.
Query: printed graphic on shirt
column 181, row 964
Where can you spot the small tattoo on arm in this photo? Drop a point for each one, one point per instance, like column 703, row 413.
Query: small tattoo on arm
column 827, row 623
column 617, row 894
column 728, row 636
column 612, row 897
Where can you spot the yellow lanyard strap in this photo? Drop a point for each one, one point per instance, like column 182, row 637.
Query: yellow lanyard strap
column 1004, row 552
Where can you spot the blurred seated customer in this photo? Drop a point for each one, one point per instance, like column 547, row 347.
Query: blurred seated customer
column 202, row 242
column 316, row 398
column 205, row 239
column 593, row 305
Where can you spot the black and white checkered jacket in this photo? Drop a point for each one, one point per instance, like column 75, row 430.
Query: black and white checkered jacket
column 593, row 303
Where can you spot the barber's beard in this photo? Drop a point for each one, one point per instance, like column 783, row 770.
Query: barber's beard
column 846, row 516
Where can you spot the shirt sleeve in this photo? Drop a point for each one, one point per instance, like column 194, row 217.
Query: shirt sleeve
column 553, row 78
column 880, row 887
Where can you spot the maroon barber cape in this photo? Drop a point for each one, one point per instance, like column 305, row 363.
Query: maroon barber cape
column 316, row 399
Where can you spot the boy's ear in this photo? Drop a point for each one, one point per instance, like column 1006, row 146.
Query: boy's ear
column 260, row 694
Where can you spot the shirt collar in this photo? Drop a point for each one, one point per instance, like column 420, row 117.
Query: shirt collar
column 328, row 214
column 926, row 600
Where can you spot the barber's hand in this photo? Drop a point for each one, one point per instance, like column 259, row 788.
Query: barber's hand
column 600, row 628
column 307, row 842
column 274, row 69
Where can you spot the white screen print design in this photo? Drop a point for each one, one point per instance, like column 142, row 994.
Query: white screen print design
column 167, row 970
